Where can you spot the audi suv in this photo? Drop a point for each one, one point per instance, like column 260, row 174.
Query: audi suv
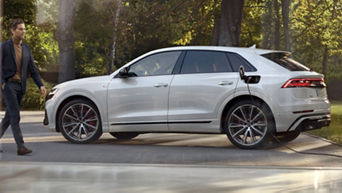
column 252, row 95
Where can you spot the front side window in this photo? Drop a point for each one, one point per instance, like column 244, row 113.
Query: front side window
column 205, row 62
column 156, row 64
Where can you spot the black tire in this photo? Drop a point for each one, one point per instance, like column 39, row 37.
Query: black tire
column 80, row 122
column 286, row 137
column 249, row 124
column 124, row 135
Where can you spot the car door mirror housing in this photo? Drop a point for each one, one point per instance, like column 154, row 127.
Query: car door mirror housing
column 124, row 73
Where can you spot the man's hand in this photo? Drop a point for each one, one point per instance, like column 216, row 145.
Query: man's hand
column 3, row 86
column 43, row 90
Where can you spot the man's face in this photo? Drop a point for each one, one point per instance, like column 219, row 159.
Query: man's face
column 19, row 32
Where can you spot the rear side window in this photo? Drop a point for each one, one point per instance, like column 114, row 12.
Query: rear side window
column 205, row 62
column 236, row 61
column 285, row 61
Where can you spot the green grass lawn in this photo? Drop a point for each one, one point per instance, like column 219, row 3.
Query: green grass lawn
column 334, row 131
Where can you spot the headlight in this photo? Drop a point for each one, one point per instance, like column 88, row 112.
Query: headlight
column 51, row 94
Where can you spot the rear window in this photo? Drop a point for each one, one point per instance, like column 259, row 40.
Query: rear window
column 285, row 61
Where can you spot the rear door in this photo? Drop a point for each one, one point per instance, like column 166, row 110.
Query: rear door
column 204, row 81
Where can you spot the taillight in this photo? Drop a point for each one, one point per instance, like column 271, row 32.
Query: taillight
column 305, row 82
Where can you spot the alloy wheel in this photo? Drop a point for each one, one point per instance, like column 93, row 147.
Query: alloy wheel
column 247, row 125
column 80, row 122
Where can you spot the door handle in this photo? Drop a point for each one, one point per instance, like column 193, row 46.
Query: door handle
column 224, row 83
column 160, row 85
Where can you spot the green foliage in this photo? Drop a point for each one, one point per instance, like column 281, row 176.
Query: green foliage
column 313, row 25
column 316, row 25
column 147, row 25
column 93, row 37
column 251, row 26
column 334, row 131
column 24, row 9
column 33, row 99
column 43, row 46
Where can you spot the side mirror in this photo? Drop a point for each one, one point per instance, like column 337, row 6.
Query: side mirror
column 123, row 73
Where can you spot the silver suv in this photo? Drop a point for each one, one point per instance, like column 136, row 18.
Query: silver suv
column 251, row 95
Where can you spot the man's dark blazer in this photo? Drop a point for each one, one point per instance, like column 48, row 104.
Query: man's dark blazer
column 9, row 64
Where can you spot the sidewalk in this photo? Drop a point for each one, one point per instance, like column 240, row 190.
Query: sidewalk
column 28, row 116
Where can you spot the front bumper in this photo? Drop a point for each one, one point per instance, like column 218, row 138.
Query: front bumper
column 310, row 122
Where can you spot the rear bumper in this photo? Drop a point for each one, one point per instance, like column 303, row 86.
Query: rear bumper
column 310, row 122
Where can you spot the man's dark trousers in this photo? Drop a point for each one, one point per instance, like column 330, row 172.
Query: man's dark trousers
column 12, row 94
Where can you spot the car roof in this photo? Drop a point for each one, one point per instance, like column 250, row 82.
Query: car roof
column 219, row 48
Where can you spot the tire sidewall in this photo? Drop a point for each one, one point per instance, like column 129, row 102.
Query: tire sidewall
column 270, row 123
column 98, row 132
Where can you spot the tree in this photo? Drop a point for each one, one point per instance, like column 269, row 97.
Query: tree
column 66, row 40
column 276, row 25
column 115, row 31
column 317, row 32
column 228, row 27
column 285, row 9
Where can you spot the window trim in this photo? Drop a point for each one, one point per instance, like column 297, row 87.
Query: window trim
column 244, row 59
column 224, row 52
column 181, row 52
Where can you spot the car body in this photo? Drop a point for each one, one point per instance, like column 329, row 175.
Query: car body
column 195, row 89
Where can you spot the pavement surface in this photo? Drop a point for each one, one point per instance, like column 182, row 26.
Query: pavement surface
column 165, row 163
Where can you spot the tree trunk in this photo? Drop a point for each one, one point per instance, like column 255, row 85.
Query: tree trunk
column 216, row 30
column 325, row 60
column 276, row 25
column 66, row 40
column 230, row 23
column 267, row 24
column 285, row 4
column 116, row 21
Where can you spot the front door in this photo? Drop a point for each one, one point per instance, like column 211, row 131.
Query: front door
column 141, row 102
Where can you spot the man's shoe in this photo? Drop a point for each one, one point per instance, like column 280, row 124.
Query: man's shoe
column 23, row 151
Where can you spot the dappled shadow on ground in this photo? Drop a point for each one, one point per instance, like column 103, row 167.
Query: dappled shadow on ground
column 178, row 149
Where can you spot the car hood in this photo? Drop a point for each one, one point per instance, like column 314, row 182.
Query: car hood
column 83, row 81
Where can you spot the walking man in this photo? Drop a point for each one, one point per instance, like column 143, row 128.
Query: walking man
column 16, row 62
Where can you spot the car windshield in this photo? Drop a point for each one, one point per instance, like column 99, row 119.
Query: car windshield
column 285, row 61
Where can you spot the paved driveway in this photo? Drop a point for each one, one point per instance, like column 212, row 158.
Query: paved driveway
column 165, row 149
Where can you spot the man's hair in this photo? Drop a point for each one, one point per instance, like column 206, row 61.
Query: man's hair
column 15, row 23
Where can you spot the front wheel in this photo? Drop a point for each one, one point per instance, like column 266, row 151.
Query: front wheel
column 80, row 122
column 249, row 125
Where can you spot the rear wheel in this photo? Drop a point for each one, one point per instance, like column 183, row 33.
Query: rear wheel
column 249, row 125
column 124, row 135
column 80, row 122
